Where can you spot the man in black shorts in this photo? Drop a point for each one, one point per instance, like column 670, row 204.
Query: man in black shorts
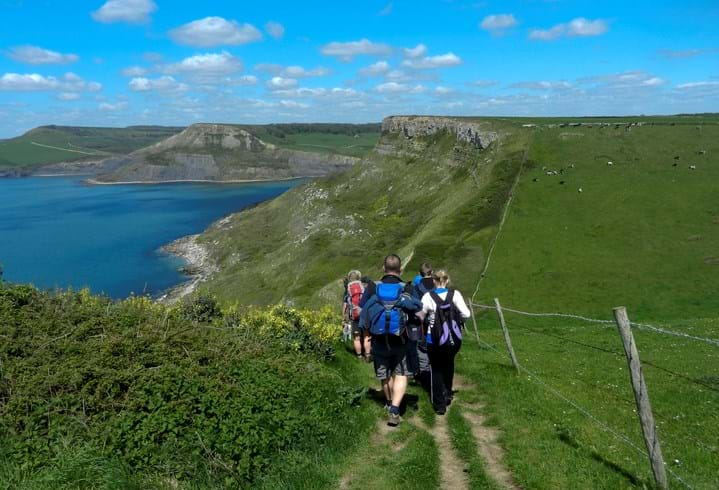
column 389, row 352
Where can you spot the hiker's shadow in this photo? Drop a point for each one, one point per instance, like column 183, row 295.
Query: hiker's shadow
column 409, row 402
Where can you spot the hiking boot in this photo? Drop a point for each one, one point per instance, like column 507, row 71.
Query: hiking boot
column 393, row 420
column 440, row 410
column 368, row 358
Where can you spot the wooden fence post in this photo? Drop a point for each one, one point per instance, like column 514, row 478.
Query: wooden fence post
column 506, row 335
column 644, row 408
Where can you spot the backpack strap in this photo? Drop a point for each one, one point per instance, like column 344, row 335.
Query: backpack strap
column 437, row 299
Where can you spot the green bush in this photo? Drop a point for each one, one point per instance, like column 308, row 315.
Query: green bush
column 175, row 393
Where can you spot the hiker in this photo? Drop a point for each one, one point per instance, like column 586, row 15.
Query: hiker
column 420, row 364
column 386, row 306
column 354, row 289
column 417, row 347
column 446, row 311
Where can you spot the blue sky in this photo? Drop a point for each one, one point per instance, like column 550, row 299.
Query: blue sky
column 124, row 62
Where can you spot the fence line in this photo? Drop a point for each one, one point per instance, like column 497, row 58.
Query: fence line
column 586, row 413
column 618, row 354
column 675, row 334
column 640, row 326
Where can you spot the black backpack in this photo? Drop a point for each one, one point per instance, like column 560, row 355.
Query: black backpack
column 447, row 326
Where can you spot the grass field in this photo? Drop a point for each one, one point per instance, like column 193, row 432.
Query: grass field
column 643, row 233
column 52, row 144
column 355, row 140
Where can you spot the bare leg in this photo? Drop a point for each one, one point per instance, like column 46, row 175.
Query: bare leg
column 399, row 387
column 367, row 345
column 357, row 344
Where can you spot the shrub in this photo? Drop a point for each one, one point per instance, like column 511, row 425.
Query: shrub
column 171, row 391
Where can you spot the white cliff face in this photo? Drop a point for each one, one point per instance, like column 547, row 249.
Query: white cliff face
column 417, row 126
column 204, row 135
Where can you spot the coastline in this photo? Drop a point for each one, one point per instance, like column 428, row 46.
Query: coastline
column 198, row 266
column 189, row 181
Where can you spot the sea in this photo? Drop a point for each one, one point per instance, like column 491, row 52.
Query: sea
column 57, row 232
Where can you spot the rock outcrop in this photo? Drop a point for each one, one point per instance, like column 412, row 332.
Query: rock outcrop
column 473, row 133
column 219, row 152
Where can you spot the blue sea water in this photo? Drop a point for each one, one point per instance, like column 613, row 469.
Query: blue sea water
column 58, row 232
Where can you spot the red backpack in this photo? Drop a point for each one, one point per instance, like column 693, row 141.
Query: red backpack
column 354, row 294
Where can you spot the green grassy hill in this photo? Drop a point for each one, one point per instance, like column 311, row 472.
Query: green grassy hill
column 643, row 232
column 52, row 144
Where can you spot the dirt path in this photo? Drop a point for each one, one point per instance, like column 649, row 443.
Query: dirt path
column 487, row 439
column 452, row 471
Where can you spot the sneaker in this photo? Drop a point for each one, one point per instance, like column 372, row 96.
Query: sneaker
column 393, row 420
column 368, row 358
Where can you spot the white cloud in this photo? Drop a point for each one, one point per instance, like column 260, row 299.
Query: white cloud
column 35, row 55
column 399, row 88
column 243, row 80
column 386, row 10
column 293, row 71
column 498, row 23
column 375, row 69
column 653, row 82
column 442, row 90
column 108, row 107
column 685, row 53
column 346, row 51
column 27, row 82
column 579, row 27
column 636, row 78
column 292, row 104
column 543, row 85
column 152, row 57
column 215, row 31
column 131, row 11
column 691, row 85
column 300, row 72
column 134, row 71
column 430, row 62
column 275, row 29
column 484, row 83
column 280, row 83
column 416, row 52
column 67, row 96
column 584, row 27
column 161, row 84
column 205, row 65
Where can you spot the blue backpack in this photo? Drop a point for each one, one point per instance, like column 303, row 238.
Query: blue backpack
column 386, row 317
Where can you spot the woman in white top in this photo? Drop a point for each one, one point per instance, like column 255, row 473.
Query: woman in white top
column 445, row 311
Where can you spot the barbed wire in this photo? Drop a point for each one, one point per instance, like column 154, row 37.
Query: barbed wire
column 533, row 376
column 675, row 334
column 558, row 315
column 640, row 326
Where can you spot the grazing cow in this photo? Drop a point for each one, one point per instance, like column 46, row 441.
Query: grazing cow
column 692, row 167
column 580, row 190
column 610, row 163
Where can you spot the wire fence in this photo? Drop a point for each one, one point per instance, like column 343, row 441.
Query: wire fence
column 641, row 326
column 668, row 420
column 533, row 376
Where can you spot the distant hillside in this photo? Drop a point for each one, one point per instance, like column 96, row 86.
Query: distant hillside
column 433, row 190
column 53, row 144
column 222, row 152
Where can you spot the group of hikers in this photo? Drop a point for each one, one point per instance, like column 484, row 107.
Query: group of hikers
column 407, row 329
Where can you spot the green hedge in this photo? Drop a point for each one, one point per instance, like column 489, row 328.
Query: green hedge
column 177, row 393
